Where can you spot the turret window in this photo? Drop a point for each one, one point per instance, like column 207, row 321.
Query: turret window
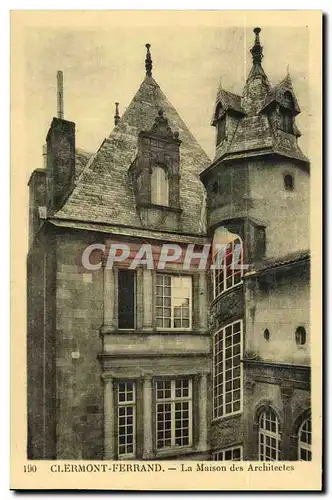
column 221, row 130
column 159, row 187
column 229, row 267
column 286, row 120
column 227, row 370
column 289, row 182
column 300, row 335
column 267, row 334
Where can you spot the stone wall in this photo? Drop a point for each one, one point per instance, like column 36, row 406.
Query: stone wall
column 79, row 316
column 280, row 303
column 284, row 213
column 41, row 347
column 286, row 389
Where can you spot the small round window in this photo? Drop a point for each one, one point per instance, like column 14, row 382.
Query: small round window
column 300, row 335
column 289, row 182
column 267, row 334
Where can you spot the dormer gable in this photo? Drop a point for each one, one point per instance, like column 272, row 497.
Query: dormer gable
column 227, row 112
column 156, row 168
column 281, row 106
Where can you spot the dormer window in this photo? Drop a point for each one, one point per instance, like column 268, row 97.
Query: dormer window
column 286, row 122
column 221, row 130
column 156, row 173
column 159, row 187
column 286, row 113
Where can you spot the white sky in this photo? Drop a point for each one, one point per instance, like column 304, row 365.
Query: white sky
column 102, row 66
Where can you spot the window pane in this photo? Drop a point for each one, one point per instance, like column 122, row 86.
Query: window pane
column 173, row 301
column 174, row 417
column 269, row 436
column 304, row 437
column 126, row 418
column 126, row 299
column 159, row 186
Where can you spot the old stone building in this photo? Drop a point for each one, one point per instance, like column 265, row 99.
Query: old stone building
column 183, row 362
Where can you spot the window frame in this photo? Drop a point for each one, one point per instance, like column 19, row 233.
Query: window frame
column 172, row 401
column 300, row 334
column 264, row 433
column 216, row 374
column 286, row 120
column 222, row 271
column 289, row 187
column 221, row 130
column 157, row 186
column 222, row 451
column 302, row 445
column 126, row 404
column 119, row 270
column 172, row 317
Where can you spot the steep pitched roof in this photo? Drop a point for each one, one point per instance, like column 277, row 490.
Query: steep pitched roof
column 81, row 159
column 257, row 132
column 104, row 191
column 227, row 100
column 277, row 92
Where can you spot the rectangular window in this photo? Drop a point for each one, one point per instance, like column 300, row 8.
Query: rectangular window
column 126, row 419
column 229, row 272
column 221, row 130
column 227, row 370
column 234, row 454
column 173, row 413
column 126, row 299
column 174, row 308
column 159, row 186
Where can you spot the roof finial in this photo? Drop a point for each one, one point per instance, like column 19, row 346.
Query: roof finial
column 257, row 49
column 117, row 115
column 148, row 60
column 287, row 70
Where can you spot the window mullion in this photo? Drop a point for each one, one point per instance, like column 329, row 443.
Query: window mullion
column 173, row 423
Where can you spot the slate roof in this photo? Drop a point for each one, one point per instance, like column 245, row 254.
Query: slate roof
column 256, row 133
column 228, row 100
column 278, row 90
column 286, row 260
column 104, row 192
column 81, row 159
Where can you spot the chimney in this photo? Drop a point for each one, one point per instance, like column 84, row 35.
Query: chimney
column 60, row 142
column 37, row 200
column 59, row 77
column 45, row 156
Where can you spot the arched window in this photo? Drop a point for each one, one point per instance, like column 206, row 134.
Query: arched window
column 289, row 182
column 159, row 186
column 228, row 261
column 269, row 436
column 304, row 449
column 300, row 335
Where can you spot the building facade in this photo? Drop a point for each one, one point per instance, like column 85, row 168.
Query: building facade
column 128, row 361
